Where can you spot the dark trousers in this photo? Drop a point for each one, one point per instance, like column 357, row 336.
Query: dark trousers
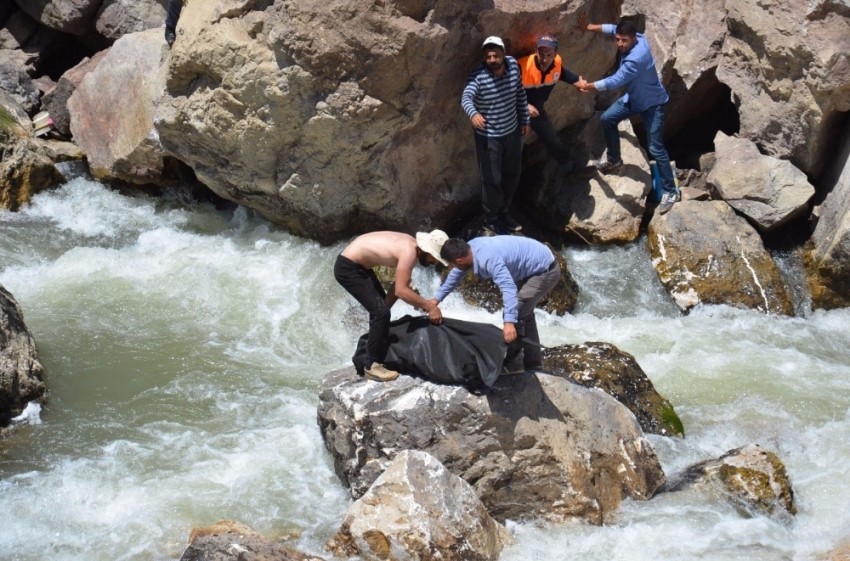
column 367, row 289
column 531, row 291
column 545, row 131
column 500, row 164
column 173, row 14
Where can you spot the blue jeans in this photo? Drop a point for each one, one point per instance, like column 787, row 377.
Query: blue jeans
column 653, row 120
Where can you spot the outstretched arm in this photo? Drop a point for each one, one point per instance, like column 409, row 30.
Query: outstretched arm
column 584, row 25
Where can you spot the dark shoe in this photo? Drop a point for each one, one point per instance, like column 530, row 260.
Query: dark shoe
column 668, row 200
column 606, row 166
column 496, row 228
column 380, row 373
column 170, row 37
column 509, row 223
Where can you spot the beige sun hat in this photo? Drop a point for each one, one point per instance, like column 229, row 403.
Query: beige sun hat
column 431, row 243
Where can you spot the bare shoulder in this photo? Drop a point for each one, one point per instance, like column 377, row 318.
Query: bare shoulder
column 381, row 248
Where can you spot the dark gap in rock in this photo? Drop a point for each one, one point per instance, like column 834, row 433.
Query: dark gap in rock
column 695, row 118
column 65, row 52
column 835, row 133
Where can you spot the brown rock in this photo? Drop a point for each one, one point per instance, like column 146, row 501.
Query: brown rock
column 112, row 111
column 752, row 478
column 227, row 540
column 704, row 253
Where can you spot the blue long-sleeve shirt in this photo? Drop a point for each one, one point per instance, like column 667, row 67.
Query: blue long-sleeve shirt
column 636, row 72
column 501, row 99
column 507, row 260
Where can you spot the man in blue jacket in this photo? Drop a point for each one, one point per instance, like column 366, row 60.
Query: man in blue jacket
column 645, row 96
column 525, row 271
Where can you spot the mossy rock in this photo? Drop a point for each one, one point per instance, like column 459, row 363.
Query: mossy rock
column 604, row 366
column 754, row 480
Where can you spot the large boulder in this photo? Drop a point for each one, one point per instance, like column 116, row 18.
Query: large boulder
column 112, row 110
column 704, row 253
column 536, row 446
column 788, row 67
column 333, row 117
column 417, row 509
column 768, row 191
column 828, row 261
column 21, row 373
column 752, row 478
column 604, row 366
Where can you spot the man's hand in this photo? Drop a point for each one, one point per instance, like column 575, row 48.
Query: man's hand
column 532, row 110
column 583, row 85
column 523, row 130
column 478, row 121
column 435, row 315
column 582, row 21
column 509, row 331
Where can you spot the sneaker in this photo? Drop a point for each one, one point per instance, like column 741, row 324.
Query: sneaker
column 509, row 223
column 496, row 228
column 380, row 373
column 170, row 37
column 606, row 166
column 668, row 200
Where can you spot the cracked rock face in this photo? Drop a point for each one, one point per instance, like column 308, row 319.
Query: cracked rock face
column 417, row 509
column 704, row 253
column 538, row 446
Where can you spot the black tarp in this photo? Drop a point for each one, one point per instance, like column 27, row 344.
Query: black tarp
column 454, row 352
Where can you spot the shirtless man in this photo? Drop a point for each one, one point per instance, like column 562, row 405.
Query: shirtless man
column 353, row 270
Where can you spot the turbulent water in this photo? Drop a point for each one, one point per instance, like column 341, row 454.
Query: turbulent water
column 183, row 347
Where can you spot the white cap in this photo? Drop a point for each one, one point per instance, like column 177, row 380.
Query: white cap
column 431, row 243
column 493, row 41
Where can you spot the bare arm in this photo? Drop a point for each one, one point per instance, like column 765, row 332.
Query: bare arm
column 401, row 290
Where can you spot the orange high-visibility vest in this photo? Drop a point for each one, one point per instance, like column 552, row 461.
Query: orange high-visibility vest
column 532, row 77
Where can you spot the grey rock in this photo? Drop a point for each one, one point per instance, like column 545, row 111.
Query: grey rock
column 538, row 446
column 768, row 191
column 21, row 373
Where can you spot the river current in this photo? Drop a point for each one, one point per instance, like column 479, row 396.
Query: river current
column 183, row 347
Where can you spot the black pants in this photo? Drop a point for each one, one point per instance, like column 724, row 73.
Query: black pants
column 500, row 164
column 545, row 131
column 366, row 289
column 173, row 14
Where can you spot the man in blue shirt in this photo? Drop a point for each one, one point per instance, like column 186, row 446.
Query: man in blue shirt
column 645, row 96
column 525, row 271
column 495, row 102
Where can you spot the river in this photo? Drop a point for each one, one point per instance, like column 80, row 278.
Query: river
column 183, row 346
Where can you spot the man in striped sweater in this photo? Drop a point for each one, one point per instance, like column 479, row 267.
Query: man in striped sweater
column 495, row 102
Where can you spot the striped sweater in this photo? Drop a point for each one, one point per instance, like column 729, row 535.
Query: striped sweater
column 500, row 99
